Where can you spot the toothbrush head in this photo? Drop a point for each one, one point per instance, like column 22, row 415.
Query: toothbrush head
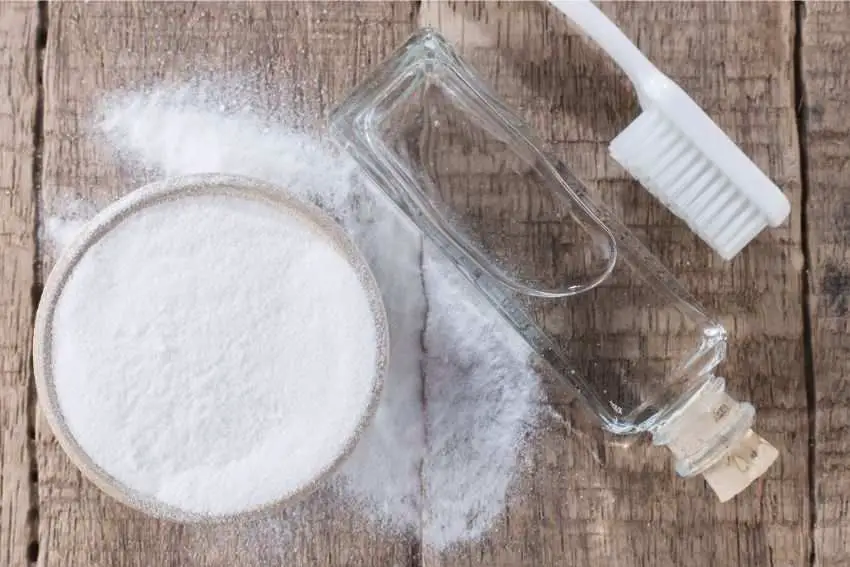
column 683, row 158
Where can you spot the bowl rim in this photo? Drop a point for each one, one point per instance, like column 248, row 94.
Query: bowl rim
column 171, row 189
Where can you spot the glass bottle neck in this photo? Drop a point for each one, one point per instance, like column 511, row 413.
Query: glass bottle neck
column 710, row 434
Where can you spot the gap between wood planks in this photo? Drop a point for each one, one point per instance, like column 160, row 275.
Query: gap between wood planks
column 40, row 45
column 801, row 111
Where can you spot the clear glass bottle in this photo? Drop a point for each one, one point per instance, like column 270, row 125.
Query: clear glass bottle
column 597, row 308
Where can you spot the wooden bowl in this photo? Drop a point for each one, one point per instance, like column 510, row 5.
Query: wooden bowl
column 168, row 190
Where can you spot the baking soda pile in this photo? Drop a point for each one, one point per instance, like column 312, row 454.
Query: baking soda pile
column 459, row 401
column 206, row 351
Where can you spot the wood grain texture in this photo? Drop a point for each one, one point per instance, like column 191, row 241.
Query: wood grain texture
column 317, row 50
column 584, row 500
column 825, row 33
column 587, row 501
column 18, row 24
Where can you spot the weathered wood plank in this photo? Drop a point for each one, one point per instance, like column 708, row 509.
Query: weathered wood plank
column 18, row 106
column 587, row 503
column 93, row 49
column 573, row 508
column 825, row 35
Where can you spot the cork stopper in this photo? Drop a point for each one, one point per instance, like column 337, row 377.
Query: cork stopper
column 711, row 435
column 744, row 463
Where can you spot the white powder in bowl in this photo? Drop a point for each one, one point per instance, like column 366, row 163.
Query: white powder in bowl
column 460, row 406
column 214, row 353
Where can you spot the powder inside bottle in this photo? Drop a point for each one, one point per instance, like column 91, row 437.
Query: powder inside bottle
column 213, row 353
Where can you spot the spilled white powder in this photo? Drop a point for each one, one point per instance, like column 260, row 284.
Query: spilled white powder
column 454, row 422
column 65, row 217
column 214, row 353
column 473, row 361
column 384, row 472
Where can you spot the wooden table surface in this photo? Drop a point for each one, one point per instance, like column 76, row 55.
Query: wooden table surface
column 775, row 76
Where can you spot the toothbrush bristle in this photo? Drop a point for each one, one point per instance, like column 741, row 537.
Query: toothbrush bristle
column 674, row 170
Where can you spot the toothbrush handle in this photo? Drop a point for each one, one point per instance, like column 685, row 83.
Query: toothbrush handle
column 603, row 31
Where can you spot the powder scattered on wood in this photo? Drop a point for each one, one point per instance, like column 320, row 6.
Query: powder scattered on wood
column 442, row 468
column 214, row 353
column 471, row 356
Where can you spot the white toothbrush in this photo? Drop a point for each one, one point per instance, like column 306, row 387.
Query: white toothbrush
column 679, row 154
